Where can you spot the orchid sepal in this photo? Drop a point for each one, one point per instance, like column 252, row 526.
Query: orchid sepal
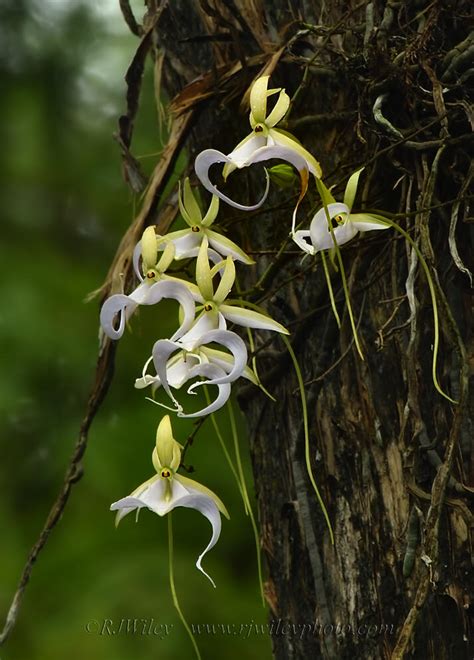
column 251, row 319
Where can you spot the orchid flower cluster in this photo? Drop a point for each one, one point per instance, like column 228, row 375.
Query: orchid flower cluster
column 205, row 349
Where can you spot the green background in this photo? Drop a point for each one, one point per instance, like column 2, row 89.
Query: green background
column 64, row 209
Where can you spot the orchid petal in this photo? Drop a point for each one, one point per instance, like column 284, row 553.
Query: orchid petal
column 165, row 443
column 279, row 111
column 286, row 140
column 161, row 352
column 244, row 150
column 153, row 497
column 351, row 188
column 145, row 381
column 218, row 268
column 226, row 362
column 167, row 452
column 140, row 294
column 178, row 368
column 182, row 209
column 137, row 253
column 202, row 165
column 191, row 484
column 204, row 323
column 166, row 258
column 321, row 236
column 126, row 505
column 184, row 240
column 300, row 237
column 212, row 212
column 250, row 319
column 226, row 283
column 258, row 99
column 212, row 371
column 123, row 306
column 203, row 272
column 235, row 345
column 210, row 511
column 178, row 291
column 291, row 156
column 226, row 247
column 366, row 222
column 344, row 233
column 190, row 204
column 208, row 508
column 149, row 248
column 119, row 304
column 282, row 153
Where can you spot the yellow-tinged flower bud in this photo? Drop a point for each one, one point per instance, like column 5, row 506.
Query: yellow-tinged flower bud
column 282, row 175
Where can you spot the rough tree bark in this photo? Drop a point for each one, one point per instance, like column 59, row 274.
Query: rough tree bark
column 381, row 85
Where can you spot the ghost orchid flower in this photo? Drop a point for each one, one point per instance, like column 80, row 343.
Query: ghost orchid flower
column 264, row 142
column 344, row 224
column 215, row 312
column 175, row 366
column 155, row 286
column 188, row 241
column 167, row 490
column 121, row 306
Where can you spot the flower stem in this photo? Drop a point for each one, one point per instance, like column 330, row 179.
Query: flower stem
column 348, row 301
column 246, row 497
column 307, row 454
column 330, row 289
column 173, row 587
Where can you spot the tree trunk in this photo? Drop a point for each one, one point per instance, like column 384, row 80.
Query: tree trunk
column 380, row 85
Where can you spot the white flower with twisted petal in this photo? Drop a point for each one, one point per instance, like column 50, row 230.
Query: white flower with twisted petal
column 167, row 490
column 155, row 286
column 264, row 143
column 188, row 241
column 345, row 225
column 220, row 367
column 215, row 312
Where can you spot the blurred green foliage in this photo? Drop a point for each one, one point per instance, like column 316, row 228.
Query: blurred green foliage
column 64, row 210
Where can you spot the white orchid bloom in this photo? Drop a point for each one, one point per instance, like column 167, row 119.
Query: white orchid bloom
column 345, row 225
column 215, row 312
column 264, row 143
column 167, row 490
column 175, row 366
column 188, row 241
column 155, row 286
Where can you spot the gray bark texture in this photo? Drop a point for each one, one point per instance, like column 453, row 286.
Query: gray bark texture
column 382, row 85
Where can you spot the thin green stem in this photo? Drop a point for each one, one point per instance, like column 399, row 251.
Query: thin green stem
column 330, row 289
column 306, row 434
column 173, row 587
column 348, row 301
column 226, row 453
column 245, row 495
column 254, row 366
column 341, row 267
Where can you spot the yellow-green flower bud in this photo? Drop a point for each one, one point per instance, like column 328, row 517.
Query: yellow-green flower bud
column 282, row 176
